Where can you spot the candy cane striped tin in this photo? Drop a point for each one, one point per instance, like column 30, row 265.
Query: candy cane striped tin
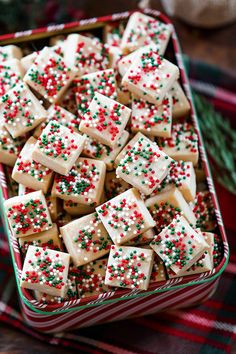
column 124, row 303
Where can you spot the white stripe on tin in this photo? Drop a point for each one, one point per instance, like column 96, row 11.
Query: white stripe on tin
column 55, row 27
column 23, row 33
column 120, row 15
column 88, row 21
column 219, row 217
column 3, row 182
column 210, row 185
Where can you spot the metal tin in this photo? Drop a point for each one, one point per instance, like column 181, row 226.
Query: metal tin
column 124, row 303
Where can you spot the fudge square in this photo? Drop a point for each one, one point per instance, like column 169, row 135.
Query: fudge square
column 168, row 204
column 182, row 176
column 21, row 111
column 98, row 151
column 28, row 214
column 29, row 172
column 58, row 147
column 129, row 267
column 11, row 73
column 10, row 52
column 150, row 77
column 143, row 30
column 70, row 292
column 85, row 54
column 45, row 270
column 105, row 120
column 86, row 239
column 151, row 119
column 102, row 81
column 182, row 145
column 49, row 75
column 128, row 147
column 144, row 166
column 179, row 245
column 90, row 278
column 181, row 105
column 9, row 147
column 62, row 116
column 84, row 183
column 46, row 239
column 125, row 216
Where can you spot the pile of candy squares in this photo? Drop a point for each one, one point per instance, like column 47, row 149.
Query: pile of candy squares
column 97, row 142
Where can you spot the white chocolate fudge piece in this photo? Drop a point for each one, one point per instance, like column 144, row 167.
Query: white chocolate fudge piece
column 150, row 77
column 166, row 205
column 11, row 73
column 150, row 119
column 143, row 30
column 91, row 278
column 182, row 176
column 142, row 239
column 62, row 116
column 29, row 59
column 10, row 52
column 105, row 120
column 46, row 239
column 144, row 166
column 86, row 54
column 29, row 172
column 9, row 147
column 45, row 270
column 125, row 62
column 128, row 147
column 84, row 184
column 98, row 151
column 103, row 82
column 129, row 267
column 21, row 111
column 86, row 239
column 53, row 204
column 182, row 145
column 70, row 293
column 49, row 75
column 114, row 185
column 179, row 245
column 58, row 147
column 181, row 105
column 113, row 33
column 125, row 216
column 204, row 263
column 28, row 214
column 204, row 211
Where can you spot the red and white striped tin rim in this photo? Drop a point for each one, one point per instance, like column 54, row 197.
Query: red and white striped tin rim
column 122, row 294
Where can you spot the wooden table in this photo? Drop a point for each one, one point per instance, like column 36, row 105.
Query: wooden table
column 213, row 46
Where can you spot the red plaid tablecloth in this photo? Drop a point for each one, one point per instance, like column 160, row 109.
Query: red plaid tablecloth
column 209, row 328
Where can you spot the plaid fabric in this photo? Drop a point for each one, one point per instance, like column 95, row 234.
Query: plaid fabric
column 209, row 328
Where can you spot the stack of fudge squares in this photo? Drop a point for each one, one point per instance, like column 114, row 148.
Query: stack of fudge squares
column 100, row 156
